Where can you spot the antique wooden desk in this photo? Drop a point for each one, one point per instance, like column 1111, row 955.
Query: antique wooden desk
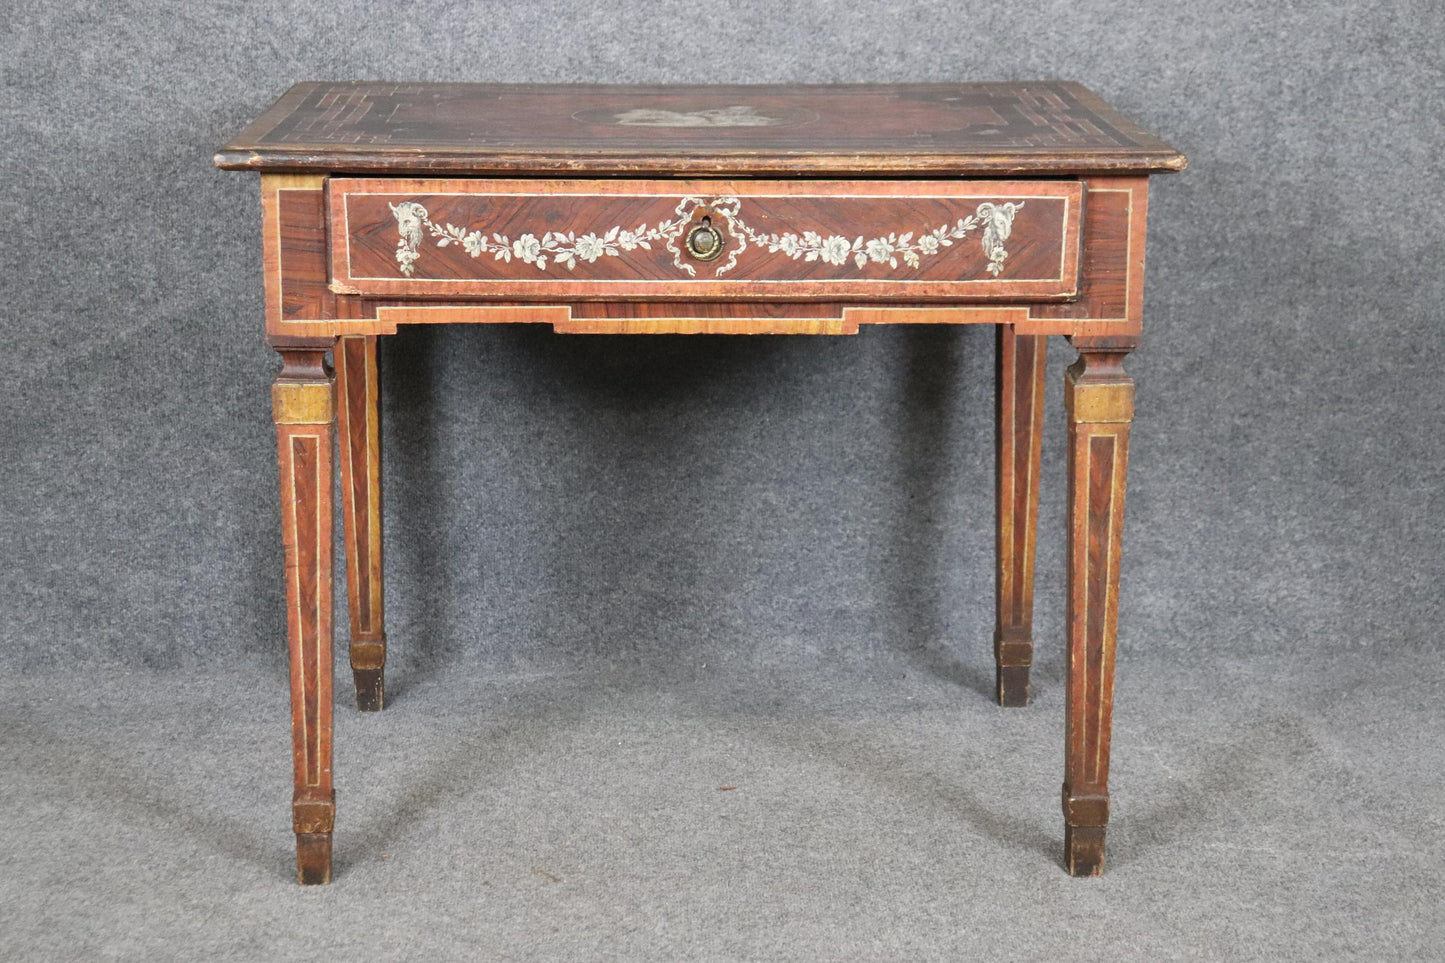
column 717, row 210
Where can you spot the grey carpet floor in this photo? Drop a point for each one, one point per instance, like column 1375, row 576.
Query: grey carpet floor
column 1273, row 809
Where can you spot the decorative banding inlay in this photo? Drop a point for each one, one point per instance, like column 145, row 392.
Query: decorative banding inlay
column 1099, row 613
column 565, row 320
column 303, row 454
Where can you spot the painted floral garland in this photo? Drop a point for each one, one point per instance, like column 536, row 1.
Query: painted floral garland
column 412, row 220
column 567, row 249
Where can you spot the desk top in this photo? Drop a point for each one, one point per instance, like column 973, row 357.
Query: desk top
column 752, row 130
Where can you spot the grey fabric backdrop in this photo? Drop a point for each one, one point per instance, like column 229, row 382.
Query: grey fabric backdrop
column 691, row 509
column 550, row 496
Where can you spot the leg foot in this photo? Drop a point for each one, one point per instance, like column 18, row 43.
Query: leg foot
column 1012, row 686
column 370, row 689
column 313, row 858
column 1084, row 850
column 1013, row 652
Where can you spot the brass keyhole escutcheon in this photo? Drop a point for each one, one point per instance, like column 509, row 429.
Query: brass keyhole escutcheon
column 705, row 242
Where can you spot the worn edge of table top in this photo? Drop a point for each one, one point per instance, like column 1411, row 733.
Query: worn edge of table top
column 248, row 150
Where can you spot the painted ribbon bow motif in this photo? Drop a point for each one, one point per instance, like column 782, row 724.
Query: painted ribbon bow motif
column 556, row 247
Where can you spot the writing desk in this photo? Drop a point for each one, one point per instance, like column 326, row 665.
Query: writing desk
column 716, row 210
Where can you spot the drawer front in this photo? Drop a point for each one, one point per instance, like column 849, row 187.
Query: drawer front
column 577, row 239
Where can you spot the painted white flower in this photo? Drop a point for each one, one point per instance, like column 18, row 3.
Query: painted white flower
column 474, row 243
column 590, row 247
column 928, row 244
column 835, row 250
column 527, row 247
column 879, row 250
column 789, row 245
column 627, row 240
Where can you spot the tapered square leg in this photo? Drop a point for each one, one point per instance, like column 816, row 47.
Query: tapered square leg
column 1020, row 401
column 359, row 428
column 303, row 407
column 1099, row 399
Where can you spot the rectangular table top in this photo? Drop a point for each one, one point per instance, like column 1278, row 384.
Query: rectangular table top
column 1047, row 128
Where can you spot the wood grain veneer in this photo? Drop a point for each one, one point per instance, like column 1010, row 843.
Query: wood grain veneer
column 868, row 130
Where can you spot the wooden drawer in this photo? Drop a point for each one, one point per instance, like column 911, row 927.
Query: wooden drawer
column 981, row 240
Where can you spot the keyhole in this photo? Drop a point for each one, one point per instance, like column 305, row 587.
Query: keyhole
column 706, row 240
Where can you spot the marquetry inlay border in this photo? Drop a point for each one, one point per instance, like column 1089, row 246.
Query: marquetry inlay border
column 984, row 211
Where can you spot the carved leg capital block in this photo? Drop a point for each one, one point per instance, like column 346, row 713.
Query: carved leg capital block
column 1099, row 400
